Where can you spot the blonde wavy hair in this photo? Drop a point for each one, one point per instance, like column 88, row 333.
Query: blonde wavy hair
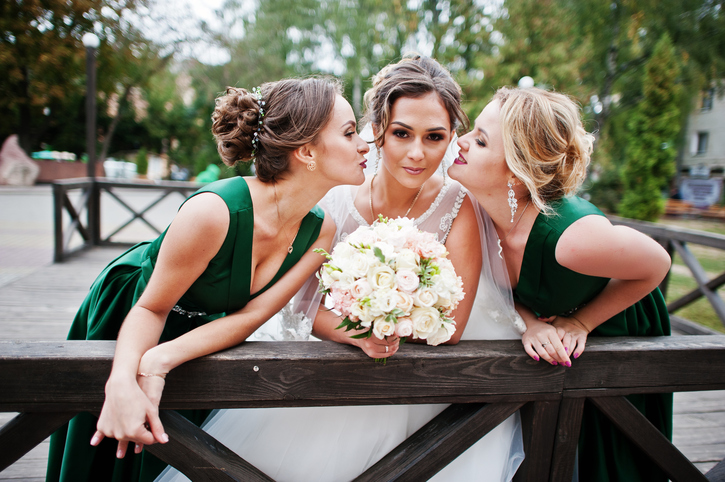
column 545, row 143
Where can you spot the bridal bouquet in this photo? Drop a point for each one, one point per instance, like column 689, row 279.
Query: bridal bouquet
column 391, row 278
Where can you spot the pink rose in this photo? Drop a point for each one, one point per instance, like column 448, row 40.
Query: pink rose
column 407, row 280
column 404, row 327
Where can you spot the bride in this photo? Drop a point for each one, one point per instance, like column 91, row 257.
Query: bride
column 414, row 109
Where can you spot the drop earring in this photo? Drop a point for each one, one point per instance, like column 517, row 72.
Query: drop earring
column 377, row 159
column 513, row 203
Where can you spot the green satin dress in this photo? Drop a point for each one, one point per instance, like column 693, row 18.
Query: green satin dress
column 548, row 288
column 224, row 287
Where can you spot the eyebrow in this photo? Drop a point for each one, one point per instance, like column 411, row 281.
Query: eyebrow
column 483, row 131
column 441, row 128
column 351, row 122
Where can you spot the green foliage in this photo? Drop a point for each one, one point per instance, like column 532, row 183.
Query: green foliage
column 653, row 129
column 142, row 161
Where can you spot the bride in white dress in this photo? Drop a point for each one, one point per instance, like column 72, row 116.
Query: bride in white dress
column 339, row 443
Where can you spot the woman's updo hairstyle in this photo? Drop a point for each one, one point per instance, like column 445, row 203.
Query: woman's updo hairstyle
column 545, row 143
column 414, row 76
column 295, row 111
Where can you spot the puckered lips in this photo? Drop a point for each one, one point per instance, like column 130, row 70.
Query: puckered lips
column 460, row 160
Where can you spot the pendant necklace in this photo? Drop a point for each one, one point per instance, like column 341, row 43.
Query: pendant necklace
column 289, row 248
column 500, row 249
column 372, row 213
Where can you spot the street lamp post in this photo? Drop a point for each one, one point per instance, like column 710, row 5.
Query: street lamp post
column 91, row 43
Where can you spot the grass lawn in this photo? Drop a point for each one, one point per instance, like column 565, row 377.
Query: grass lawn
column 682, row 282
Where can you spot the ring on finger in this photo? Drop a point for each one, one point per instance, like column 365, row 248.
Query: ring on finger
column 544, row 344
column 387, row 348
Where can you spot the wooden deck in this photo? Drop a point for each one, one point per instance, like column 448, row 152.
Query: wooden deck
column 41, row 306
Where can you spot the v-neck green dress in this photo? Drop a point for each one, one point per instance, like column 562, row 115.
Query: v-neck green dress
column 224, row 287
column 549, row 289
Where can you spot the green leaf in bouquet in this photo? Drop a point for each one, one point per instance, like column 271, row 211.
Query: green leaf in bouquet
column 323, row 253
column 367, row 334
column 379, row 254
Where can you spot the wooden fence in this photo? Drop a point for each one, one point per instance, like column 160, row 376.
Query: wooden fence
column 89, row 226
column 676, row 240
column 486, row 381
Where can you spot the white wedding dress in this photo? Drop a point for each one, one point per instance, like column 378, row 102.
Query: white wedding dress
column 336, row 444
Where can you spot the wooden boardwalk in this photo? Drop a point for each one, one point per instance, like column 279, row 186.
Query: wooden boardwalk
column 41, row 306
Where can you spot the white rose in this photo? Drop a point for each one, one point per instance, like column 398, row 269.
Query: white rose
column 407, row 280
column 383, row 328
column 362, row 236
column 407, row 259
column 425, row 321
column 360, row 288
column 345, row 280
column 403, row 301
column 382, row 301
column 342, row 250
column 362, row 313
column 381, row 276
column 442, row 335
column 358, row 264
column 425, row 297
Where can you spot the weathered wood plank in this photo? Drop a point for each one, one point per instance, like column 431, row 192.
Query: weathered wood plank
column 199, row 456
column 438, row 442
column 643, row 434
column 25, row 431
column 717, row 473
column 567, row 439
column 538, row 420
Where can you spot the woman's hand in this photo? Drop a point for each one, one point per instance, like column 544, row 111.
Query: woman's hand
column 374, row 347
column 128, row 415
column 542, row 339
column 573, row 334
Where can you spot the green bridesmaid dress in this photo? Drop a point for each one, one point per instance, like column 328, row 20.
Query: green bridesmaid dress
column 548, row 288
column 224, row 287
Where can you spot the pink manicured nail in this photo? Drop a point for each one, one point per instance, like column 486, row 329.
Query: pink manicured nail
column 119, row 454
column 554, row 363
column 576, row 355
column 94, row 440
column 568, row 364
column 536, row 358
column 566, row 349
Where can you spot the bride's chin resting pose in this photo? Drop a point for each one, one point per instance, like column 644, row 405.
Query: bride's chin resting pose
column 524, row 159
column 235, row 253
column 414, row 109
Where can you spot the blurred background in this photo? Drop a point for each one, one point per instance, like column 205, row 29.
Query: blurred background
column 647, row 73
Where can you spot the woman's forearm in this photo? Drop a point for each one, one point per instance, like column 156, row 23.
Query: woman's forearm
column 140, row 332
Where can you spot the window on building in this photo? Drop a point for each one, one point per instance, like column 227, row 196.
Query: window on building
column 702, row 138
column 707, row 98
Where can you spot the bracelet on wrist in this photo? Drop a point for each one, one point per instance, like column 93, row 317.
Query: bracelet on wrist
column 149, row 375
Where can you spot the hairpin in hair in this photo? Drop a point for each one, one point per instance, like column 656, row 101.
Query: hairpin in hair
column 257, row 93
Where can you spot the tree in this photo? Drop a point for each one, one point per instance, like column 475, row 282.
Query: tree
column 41, row 57
column 653, row 129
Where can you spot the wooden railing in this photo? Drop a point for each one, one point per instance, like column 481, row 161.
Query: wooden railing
column 486, row 381
column 89, row 202
column 676, row 240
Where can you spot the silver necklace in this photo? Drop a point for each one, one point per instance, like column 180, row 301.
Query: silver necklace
column 500, row 249
column 372, row 213
column 279, row 218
